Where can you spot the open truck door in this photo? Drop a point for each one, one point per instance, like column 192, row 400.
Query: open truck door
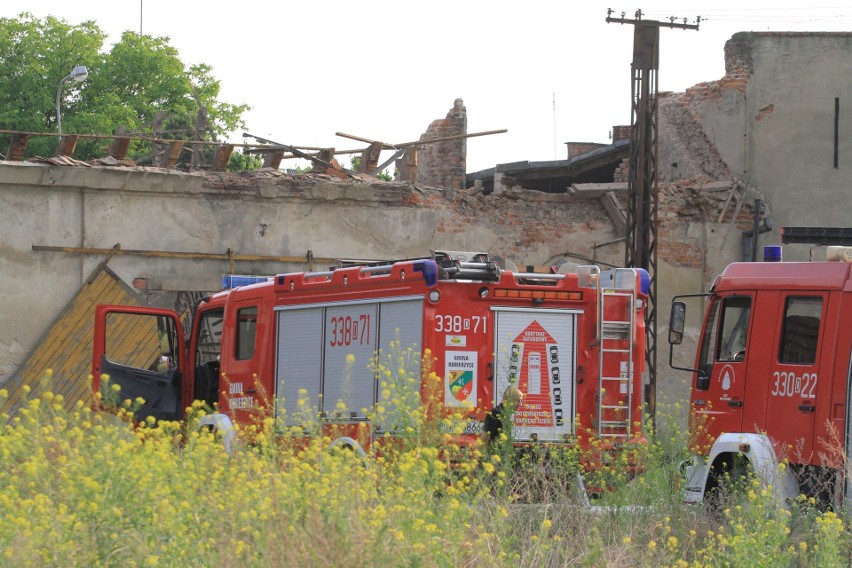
column 142, row 351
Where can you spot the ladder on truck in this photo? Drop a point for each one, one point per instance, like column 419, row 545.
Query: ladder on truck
column 616, row 333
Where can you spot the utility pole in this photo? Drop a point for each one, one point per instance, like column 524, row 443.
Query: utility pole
column 641, row 247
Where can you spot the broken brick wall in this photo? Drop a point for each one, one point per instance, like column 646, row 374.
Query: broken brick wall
column 770, row 122
column 441, row 164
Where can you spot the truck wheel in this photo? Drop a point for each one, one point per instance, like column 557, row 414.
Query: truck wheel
column 730, row 474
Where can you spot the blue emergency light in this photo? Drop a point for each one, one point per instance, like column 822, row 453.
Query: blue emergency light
column 644, row 281
column 772, row 253
column 235, row 280
column 429, row 269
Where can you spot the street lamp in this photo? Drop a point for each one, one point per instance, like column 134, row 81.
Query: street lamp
column 79, row 74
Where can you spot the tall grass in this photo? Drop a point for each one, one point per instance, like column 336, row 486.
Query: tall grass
column 82, row 488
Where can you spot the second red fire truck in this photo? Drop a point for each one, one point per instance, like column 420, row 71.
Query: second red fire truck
column 772, row 379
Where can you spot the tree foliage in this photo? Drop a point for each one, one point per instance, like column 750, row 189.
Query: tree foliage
column 240, row 162
column 355, row 165
column 139, row 84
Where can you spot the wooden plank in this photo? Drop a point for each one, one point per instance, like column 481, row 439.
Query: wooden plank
column 273, row 160
column 370, row 158
column 171, row 154
column 386, row 146
column 724, row 209
column 232, row 256
column 75, row 369
column 73, row 373
column 595, row 190
column 328, row 165
column 386, row 163
column 333, row 167
column 324, row 159
column 411, row 160
column 67, row 145
column 222, row 156
column 616, row 214
column 119, row 147
column 17, row 147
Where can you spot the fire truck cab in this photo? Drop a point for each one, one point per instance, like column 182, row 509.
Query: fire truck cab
column 335, row 342
column 772, row 377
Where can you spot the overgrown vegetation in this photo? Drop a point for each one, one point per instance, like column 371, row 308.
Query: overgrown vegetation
column 93, row 489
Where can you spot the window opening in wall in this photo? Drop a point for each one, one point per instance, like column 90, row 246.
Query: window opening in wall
column 246, row 327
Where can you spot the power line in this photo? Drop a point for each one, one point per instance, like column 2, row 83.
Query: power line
column 833, row 15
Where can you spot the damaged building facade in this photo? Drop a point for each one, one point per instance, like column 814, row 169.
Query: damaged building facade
column 771, row 129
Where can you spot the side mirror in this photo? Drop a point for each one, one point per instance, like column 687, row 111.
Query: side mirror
column 676, row 323
column 702, row 383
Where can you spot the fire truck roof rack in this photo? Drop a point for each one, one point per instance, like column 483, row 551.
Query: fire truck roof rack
column 452, row 265
column 825, row 236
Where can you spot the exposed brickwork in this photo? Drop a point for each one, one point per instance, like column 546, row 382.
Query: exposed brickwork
column 764, row 112
column 442, row 164
column 688, row 202
column 519, row 227
column 577, row 148
column 685, row 151
column 622, row 172
column 621, row 133
column 738, row 60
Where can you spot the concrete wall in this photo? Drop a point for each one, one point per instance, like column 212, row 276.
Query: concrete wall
column 254, row 214
column 790, row 127
column 770, row 122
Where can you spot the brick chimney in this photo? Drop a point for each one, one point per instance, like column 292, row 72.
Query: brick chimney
column 620, row 133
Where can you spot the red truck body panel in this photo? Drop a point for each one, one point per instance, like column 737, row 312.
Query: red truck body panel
column 331, row 338
column 791, row 380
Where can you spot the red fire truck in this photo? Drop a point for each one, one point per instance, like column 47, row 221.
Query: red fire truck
column 772, row 377
column 572, row 342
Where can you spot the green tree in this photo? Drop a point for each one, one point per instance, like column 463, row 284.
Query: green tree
column 34, row 56
column 240, row 162
column 384, row 175
column 140, row 84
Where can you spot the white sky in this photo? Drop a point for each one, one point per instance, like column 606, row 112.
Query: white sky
column 549, row 71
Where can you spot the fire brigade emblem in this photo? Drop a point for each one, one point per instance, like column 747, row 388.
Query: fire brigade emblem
column 727, row 377
column 461, row 384
column 460, row 378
